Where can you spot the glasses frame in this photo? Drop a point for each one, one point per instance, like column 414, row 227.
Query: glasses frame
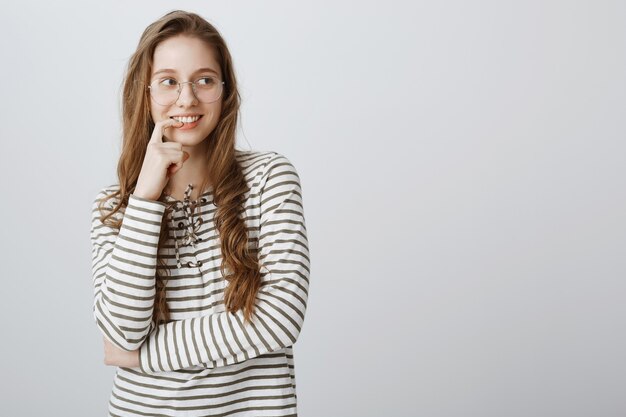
column 193, row 89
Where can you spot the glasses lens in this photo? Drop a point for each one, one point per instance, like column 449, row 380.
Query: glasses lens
column 165, row 92
column 208, row 89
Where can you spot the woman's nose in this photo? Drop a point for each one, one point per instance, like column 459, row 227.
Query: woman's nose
column 187, row 96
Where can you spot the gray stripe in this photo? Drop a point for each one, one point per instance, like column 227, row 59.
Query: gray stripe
column 203, row 387
column 304, row 277
column 106, row 317
column 284, row 231
column 149, row 359
column 174, row 339
column 155, row 233
column 167, row 348
column 234, row 334
column 268, row 348
column 269, row 209
column 288, row 211
column 157, row 348
column 288, row 191
column 278, row 340
column 302, row 243
column 219, row 324
column 285, row 262
column 284, row 221
column 129, row 285
column 185, row 347
column 286, row 301
column 123, row 272
column 135, row 329
column 127, row 306
column 204, row 338
column 100, row 239
column 212, row 333
column 282, row 281
column 285, row 315
column 193, row 339
column 158, row 211
column 208, row 406
column 245, row 333
column 105, row 259
column 156, row 224
column 275, row 407
column 223, row 372
column 132, row 264
column 105, row 330
column 131, row 296
column 151, row 245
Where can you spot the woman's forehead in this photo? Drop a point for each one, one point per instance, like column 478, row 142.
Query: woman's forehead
column 184, row 55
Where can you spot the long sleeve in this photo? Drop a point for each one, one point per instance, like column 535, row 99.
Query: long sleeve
column 222, row 338
column 124, row 268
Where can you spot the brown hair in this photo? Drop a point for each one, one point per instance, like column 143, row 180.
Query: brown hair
column 223, row 171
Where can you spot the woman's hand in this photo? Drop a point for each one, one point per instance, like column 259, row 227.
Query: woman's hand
column 162, row 160
column 115, row 356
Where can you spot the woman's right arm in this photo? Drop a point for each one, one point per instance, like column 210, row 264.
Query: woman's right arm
column 124, row 269
column 124, row 264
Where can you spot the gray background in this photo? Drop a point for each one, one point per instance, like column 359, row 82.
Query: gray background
column 462, row 165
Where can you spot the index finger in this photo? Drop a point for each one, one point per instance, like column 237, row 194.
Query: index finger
column 159, row 127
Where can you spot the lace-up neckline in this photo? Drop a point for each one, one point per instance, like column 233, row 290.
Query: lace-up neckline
column 188, row 194
column 189, row 225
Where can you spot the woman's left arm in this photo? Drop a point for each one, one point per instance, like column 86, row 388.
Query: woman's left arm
column 221, row 339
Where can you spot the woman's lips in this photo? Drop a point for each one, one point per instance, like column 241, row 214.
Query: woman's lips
column 191, row 125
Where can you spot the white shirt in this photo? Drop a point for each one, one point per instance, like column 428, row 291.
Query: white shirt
column 205, row 361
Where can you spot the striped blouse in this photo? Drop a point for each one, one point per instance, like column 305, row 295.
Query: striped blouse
column 204, row 361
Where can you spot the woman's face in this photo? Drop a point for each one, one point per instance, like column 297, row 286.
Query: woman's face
column 183, row 58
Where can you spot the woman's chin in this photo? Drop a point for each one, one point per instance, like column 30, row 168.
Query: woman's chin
column 186, row 141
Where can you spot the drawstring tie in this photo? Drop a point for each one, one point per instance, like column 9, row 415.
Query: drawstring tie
column 189, row 233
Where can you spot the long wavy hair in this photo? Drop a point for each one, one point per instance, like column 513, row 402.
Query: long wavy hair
column 240, row 265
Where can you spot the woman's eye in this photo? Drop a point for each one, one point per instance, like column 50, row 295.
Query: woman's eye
column 166, row 81
column 206, row 80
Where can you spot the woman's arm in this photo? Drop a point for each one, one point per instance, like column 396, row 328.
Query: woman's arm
column 124, row 268
column 221, row 339
column 114, row 356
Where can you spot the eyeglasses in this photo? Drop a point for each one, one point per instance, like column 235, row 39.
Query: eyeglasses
column 167, row 90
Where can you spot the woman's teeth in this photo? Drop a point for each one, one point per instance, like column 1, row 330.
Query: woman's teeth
column 187, row 119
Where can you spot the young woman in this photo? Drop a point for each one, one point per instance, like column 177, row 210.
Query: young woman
column 200, row 252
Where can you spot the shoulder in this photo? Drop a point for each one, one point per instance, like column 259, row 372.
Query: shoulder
column 105, row 192
column 259, row 165
column 105, row 199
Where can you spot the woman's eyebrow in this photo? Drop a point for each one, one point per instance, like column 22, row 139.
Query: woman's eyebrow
column 195, row 72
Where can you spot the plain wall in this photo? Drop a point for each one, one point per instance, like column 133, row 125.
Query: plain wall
column 463, row 174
